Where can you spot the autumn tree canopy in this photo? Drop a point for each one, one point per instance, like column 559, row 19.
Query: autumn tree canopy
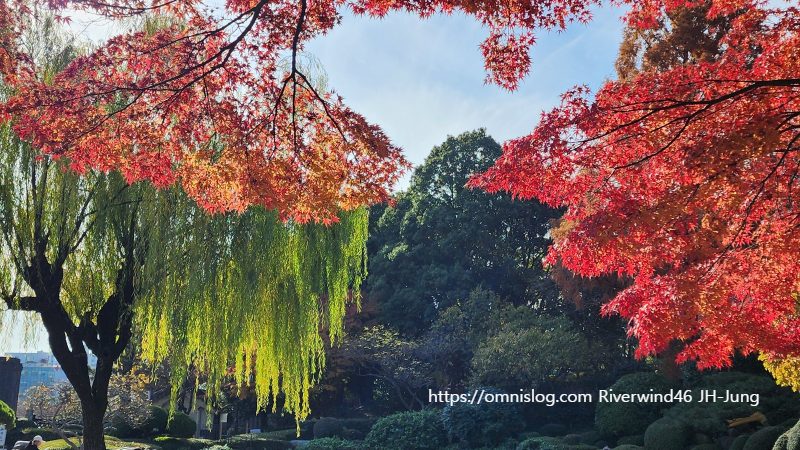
column 682, row 175
column 217, row 97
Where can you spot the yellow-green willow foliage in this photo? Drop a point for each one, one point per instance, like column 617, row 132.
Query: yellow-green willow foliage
column 209, row 290
column 251, row 287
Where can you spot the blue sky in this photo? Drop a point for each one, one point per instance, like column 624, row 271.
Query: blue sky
column 422, row 80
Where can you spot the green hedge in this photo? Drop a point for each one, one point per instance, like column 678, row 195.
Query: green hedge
column 327, row 427
column 421, row 430
column 482, row 424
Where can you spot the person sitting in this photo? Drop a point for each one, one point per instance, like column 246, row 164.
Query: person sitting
column 29, row 445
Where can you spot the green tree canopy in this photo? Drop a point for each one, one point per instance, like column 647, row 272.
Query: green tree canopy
column 442, row 240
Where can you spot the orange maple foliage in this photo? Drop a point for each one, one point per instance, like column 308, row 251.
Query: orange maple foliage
column 684, row 179
column 205, row 101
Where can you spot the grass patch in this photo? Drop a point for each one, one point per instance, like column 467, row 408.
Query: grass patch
column 281, row 435
column 111, row 444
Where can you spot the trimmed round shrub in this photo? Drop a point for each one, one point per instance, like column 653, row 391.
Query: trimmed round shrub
column 763, row 439
column 328, row 427
column 590, row 437
column 120, row 430
column 706, row 447
column 667, row 434
column 180, row 425
column 157, row 420
column 362, row 425
column 704, row 419
column 572, row 439
column 627, row 447
column 540, row 443
column 789, row 440
column 615, row 419
column 7, row 416
column 553, row 429
column 422, row 430
column 738, row 443
column 636, row 439
column 782, row 443
column 484, row 424
column 581, row 447
column 333, row 443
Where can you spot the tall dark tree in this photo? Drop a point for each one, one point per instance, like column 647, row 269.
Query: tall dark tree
column 442, row 240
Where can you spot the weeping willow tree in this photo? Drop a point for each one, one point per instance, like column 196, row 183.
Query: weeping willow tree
column 95, row 258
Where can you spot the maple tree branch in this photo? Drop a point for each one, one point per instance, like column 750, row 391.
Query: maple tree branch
column 135, row 9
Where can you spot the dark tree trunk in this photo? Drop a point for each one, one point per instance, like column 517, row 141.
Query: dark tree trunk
column 93, row 438
column 107, row 338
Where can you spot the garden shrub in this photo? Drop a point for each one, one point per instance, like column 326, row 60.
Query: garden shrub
column 173, row 443
column 362, row 425
column 46, row 433
column 120, row 430
column 510, row 444
column 615, row 419
column 17, row 433
column 328, row 427
column 254, row 442
column 581, row 447
column 333, row 443
column 789, row 440
column 667, row 434
column 738, row 443
column 540, row 443
column 572, row 439
column 590, row 437
column 157, row 420
column 627, row 447
column 707, row 447
column 776, row 402
column 180, row 425
column 7, row 416
column 553, row 429
column 636, row 439
column 352, row 435
column 705, row 419
column 422, row 430
column 484, row 424
column 764, row 439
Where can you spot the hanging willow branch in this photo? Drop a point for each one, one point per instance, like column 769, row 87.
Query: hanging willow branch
column 248, row 285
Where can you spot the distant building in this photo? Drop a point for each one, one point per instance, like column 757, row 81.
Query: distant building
column 40, row 368
column 10, row 371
